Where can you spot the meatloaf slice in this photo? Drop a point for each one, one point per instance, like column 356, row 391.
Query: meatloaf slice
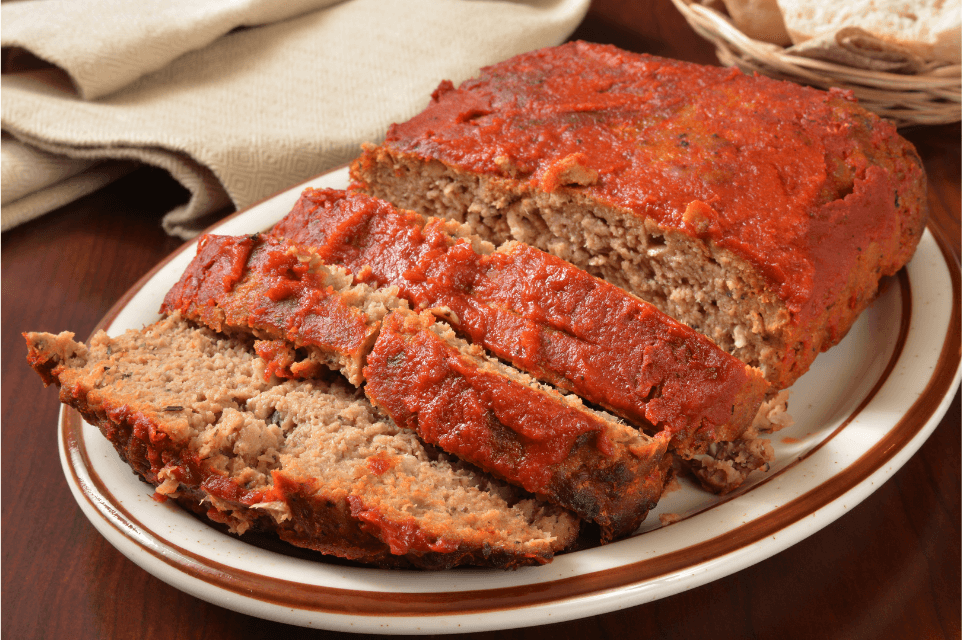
column 540, row 313
column 284, row 294
column 503, row 421
column 193, row 414
column 758, row 212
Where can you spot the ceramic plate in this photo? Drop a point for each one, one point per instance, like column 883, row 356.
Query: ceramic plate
column 864, row 408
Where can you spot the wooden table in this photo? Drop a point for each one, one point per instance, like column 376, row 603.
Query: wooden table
column 61, row 579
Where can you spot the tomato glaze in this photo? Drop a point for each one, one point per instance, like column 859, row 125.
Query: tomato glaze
column 540, row 313
column 784, row 176
column 268, row 285
column 504, row 426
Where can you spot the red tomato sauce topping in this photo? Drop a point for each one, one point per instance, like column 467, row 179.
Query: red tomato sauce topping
column 540, row 313
column 503, row 426
column 746, row 163
column 268, row 285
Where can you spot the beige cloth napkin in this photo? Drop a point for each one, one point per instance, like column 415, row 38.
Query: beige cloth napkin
column 239, row 99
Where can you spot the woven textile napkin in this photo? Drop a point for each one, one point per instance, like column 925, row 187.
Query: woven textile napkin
column 236, row 99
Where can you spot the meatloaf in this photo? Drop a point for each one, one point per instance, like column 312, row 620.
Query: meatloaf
column 503, row 421
column 540, row 313
column 285, row 295
column 759, row 212
column 193, row 414
column 278, row 290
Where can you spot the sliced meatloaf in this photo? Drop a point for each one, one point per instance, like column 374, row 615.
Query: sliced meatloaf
column 193, row 414
column 503, row 421
column 285, row 295
column 758, row 212
column 540, row 313
column 275, row 293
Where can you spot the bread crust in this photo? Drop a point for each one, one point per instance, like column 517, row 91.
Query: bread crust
column 930, row 29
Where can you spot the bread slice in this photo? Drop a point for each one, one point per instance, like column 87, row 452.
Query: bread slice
column 194, row 415
column 541, row 314
column 758, row 212
column 759, row 20
column 930, row 29
column 503, row 421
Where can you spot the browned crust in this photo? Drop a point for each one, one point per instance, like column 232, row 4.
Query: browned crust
column 46, row 354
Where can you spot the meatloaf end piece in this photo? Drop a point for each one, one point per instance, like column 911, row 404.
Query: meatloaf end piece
column 307, row 314
column 541, row 314
column 503, row 421
column 759, row 212
column 193, row 414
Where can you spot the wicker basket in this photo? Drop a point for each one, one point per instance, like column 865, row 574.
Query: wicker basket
column 932, row 97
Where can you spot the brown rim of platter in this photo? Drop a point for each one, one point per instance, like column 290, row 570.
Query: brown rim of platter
column 332, row 600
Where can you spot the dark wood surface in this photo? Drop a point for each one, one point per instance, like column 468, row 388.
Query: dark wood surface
column 890, row 568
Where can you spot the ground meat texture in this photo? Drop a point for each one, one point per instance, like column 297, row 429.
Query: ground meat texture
column 193, row 414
